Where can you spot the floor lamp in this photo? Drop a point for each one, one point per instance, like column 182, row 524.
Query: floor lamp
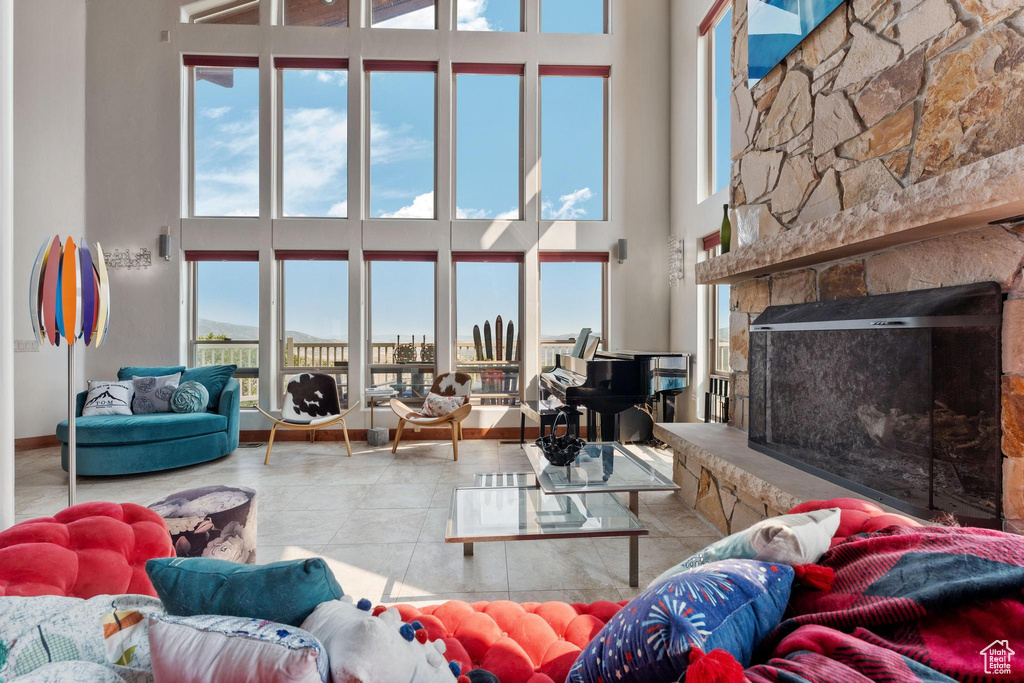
column 69, row 297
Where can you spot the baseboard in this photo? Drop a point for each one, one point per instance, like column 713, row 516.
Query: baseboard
column 29, row 443
column 443, row 434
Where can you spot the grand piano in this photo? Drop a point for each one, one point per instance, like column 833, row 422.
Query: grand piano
column 611, row 382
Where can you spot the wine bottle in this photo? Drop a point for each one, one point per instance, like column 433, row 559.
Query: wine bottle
column 726, row 234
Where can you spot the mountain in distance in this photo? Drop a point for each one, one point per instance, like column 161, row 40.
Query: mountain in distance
column 250, row 332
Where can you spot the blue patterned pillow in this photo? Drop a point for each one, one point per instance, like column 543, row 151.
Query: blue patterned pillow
column 732, row 605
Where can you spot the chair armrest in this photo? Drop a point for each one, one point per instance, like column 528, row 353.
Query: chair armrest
column 460, row 413
column 80, row 402
column 399, row 408
column 229, row 405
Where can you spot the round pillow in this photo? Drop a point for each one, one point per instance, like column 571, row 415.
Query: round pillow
column 190, row 397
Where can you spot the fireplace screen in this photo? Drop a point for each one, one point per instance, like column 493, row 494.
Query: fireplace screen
column 896, row 396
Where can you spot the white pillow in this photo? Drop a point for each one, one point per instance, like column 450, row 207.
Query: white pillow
column 437, row 405
column 796, row 539
column 211, row 649
column 362, row 647
column 109, row 398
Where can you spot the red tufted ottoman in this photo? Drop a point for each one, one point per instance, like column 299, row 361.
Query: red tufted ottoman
column 530, row 642
column 856, row 516
column 83, row 551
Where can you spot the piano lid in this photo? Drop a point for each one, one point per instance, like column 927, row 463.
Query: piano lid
column 627, row 354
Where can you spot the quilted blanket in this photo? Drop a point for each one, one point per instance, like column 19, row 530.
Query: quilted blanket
column 913, row 604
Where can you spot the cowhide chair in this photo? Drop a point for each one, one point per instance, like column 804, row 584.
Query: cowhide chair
column 446, row 403
column 310, row 403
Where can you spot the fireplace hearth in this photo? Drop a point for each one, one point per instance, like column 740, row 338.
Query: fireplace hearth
column 896, row 396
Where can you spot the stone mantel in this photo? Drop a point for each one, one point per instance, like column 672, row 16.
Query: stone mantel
column 737, row 485
column 990, row 190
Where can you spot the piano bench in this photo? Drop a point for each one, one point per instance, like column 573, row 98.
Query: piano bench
column 544, row 415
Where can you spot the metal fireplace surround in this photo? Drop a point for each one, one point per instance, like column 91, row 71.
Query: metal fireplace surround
column 896, row 396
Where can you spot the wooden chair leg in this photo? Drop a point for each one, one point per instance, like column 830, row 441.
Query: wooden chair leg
column 455, row 439
column 312, row 436
column 398, row 435
column 348, row 445
column 270, row 444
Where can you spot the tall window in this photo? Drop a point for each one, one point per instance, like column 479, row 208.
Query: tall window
column 488, row 157
column 225, row 324
column 402, row 101
column 573, row 16
column 225, row 136
column 404, row 14
column 489, row 15
column 717, row 31
column 316, row 12
column 488, row 326
column 314, row 315
column 718, row 315
column 314, row 179
column 400, row 344
column 573, row 142
column 572, row 297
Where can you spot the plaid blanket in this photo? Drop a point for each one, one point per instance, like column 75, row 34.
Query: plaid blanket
column 913, row 604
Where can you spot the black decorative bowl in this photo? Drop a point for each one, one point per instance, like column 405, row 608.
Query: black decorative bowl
column 560, row 451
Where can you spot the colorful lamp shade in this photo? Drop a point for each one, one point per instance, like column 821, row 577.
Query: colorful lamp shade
column 69, row 294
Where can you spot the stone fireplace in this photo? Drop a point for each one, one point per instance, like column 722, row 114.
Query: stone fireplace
column 885, row 155
column 895, row 396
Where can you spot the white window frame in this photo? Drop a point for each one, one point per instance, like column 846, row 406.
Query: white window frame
column 706, row 100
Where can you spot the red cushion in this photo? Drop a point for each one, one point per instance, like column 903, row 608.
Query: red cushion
column 856, row 516
column 83, row 551
column 530, row 642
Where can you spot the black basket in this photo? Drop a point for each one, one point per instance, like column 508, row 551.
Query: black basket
column 560, row 450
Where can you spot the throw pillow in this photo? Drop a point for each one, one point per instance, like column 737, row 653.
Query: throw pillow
column 190, row 397
column 730, row 605
column 210, row 648
column 437, row 405
column 108, row 398
column 130, row 371
column 213, row 377
column 285, row 592
column 153, row 394
column 376, row 649
column 790, row 539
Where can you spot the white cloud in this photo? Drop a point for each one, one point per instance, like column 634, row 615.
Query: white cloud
column 421, row 18
column 569, row 209
column 422, row 207
column 315, row 159
column 227, row 165
column 388, row 145
column 484, row 214
column 470, row 16
column 214, row 112
column 339, row 210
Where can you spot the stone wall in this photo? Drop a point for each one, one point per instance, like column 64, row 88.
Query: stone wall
column 883, row 94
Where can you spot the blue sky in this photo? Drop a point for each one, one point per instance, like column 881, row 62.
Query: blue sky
column 402, row 164
column 723, row 89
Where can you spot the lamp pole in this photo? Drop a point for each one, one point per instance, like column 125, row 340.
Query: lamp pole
column 72, row 410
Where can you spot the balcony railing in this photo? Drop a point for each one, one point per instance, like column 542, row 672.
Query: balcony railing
column 409, row 366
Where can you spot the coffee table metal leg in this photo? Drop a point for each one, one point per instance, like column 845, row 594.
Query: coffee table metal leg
column 467, row 549
column 634, row 543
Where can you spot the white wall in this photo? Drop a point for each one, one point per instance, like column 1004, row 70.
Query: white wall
column 7, row 400
column 692, row 217
column 133, row 161
column 49, row 184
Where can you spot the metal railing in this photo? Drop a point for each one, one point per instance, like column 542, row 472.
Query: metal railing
column 408, row 364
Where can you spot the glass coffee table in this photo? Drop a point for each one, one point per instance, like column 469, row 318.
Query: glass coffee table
column 577, row 501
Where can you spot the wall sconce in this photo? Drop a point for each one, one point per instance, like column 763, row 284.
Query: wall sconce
column 676, row 269
column 622, row 250
column 165, row 244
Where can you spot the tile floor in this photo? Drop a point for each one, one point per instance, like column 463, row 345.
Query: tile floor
column 379, row 519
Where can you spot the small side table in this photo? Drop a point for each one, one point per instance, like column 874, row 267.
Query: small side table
column 377, row 436
column 544, row 414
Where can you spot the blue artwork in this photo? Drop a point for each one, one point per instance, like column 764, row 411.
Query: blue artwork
column 775, row 27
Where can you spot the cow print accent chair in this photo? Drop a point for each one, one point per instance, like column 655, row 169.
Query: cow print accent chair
column 310, row 403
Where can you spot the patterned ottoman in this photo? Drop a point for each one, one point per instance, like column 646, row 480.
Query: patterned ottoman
column 212, row 521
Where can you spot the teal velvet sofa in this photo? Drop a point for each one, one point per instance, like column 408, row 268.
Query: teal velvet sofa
column 128, row 444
